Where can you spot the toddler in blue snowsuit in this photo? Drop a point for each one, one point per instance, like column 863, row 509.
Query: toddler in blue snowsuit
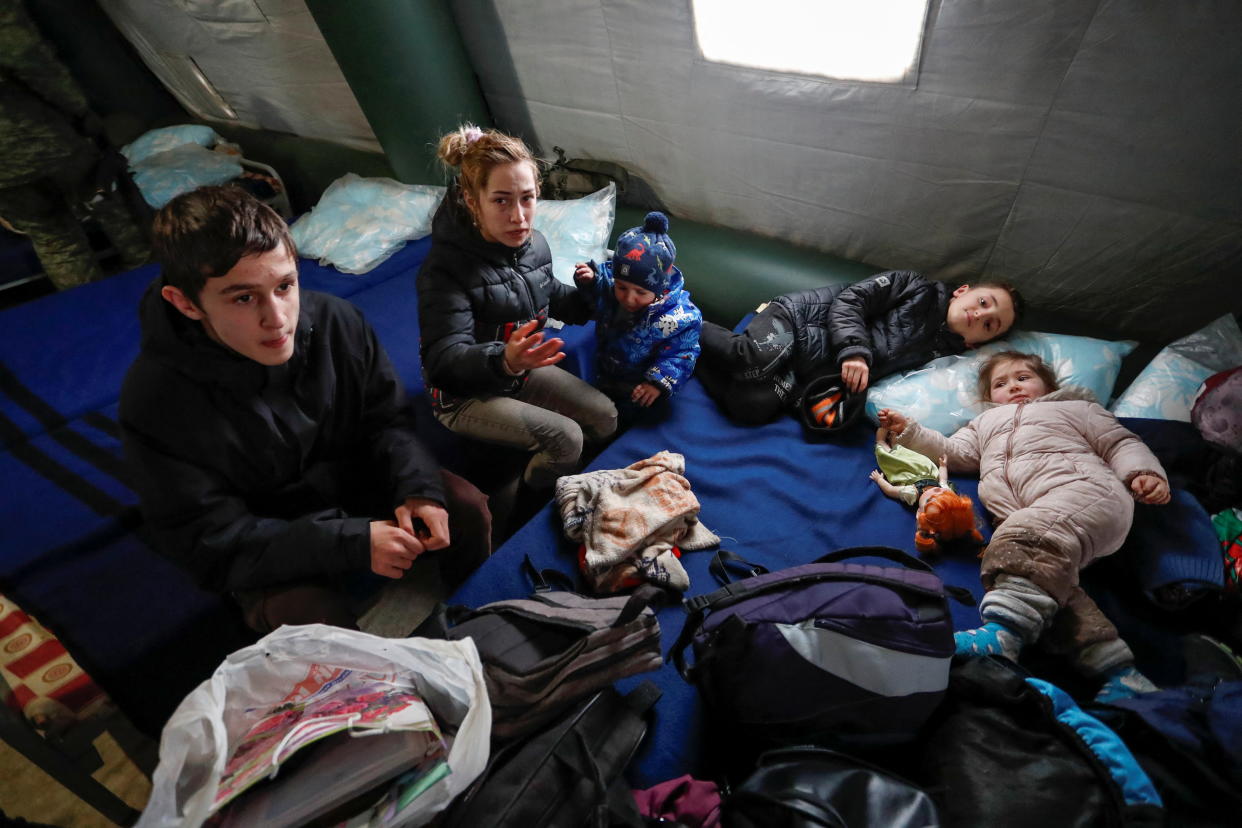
column 646, row 327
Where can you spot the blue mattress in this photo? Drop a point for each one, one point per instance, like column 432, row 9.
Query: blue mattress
column 72, row 554
column 778, row 500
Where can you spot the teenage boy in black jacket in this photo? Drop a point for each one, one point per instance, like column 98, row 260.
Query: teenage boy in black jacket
column 275, row 455
column 890, row 322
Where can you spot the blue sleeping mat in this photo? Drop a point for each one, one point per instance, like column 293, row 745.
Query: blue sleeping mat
column 71, row 550
column 780, row 501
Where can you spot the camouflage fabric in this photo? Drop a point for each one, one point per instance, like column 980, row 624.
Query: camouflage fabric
column 49, row 169
column 39, row 102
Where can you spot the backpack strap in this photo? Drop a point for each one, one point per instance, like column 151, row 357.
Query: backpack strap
column 887, row 552
column 959, row 594
column 723, row 560
column 545, row 580
column 644, row 596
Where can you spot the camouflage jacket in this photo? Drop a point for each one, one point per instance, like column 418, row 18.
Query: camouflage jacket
column 40, row 102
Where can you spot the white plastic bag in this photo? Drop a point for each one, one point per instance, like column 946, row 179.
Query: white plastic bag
column 198, row 738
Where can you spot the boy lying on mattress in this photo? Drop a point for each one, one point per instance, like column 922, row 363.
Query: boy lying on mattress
column 1060, row 476
column 273, row 452
column 888, row 323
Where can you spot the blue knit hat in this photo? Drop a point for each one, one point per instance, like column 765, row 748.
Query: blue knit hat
column 645, row 255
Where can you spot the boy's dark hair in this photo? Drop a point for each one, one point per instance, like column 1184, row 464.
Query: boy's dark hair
column 205, row 232
column 1032, row 361
column 1019, row 302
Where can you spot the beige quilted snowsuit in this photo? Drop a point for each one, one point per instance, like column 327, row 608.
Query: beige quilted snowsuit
column 1055, row 474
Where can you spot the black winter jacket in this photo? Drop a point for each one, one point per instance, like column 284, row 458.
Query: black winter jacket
column 894, row 320
column 472, row 294
column 251, row 475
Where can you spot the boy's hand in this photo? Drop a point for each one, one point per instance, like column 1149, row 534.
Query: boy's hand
column 894, row 421
column 645, row 394
column 393, row 549
column 432, row 530
column 526, row 349
column 1150, row 488
column 855, row 372
column 583, row 273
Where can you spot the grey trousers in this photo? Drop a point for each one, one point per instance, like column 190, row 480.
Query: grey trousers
column 553, row 416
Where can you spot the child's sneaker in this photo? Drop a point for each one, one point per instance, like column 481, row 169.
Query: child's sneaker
column 1122, row 683
column 990, row 639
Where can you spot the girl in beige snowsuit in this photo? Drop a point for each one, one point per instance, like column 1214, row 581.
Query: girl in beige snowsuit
column 1060, row 476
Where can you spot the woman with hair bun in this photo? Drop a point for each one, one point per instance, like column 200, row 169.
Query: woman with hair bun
column 485, row 292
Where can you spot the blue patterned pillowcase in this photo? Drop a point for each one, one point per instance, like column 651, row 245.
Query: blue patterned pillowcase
column 360, row 222
column 1167, row 387
column 166, row 175
column 942, row 394
column 577, row 229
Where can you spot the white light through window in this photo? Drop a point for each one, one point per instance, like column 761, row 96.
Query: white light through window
column 868, row 40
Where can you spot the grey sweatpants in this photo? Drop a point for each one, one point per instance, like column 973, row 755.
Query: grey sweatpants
column 553, row 415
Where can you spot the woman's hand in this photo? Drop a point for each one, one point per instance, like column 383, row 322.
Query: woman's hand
column 854, row 372
column 894, row 421
column 1150, row 488
column 527, row 350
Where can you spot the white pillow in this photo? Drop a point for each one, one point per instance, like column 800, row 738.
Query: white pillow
column 360, row 222
column 1166, row 388
column 942, row 394
column 154, row 141
column 577, row 229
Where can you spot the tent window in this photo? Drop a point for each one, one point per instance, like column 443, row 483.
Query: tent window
column 861, row 40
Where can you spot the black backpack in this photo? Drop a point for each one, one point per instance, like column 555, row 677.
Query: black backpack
column 565, row 776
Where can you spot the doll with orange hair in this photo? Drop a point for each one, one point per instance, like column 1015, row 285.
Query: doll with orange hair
column 943, row 515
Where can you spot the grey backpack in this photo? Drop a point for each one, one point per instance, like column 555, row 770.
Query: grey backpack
column 541, row 654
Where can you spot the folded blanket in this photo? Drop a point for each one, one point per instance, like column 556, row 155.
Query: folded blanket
column 628, row 521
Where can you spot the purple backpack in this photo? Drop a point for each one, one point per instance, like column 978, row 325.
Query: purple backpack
column 832, row 652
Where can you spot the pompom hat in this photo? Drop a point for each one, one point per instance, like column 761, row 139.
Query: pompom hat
column 645, row 255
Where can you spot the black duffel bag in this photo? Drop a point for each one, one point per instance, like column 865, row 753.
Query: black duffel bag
column 812, row 787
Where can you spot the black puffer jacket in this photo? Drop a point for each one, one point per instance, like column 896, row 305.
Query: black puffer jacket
column 894, row 320
column 247, row 474
column 472, row 294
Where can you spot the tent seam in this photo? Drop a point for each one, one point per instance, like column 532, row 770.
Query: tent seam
column 1039, row 137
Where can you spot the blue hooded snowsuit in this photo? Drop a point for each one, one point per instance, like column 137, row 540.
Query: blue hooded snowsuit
column 658, row 344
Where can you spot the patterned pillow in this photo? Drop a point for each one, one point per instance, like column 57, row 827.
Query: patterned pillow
column 577, row 229
column 1166, row 388
column 360, row 222
column 166, row 175
column 941, row 395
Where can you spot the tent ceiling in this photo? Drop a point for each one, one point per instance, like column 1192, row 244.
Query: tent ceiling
column 1086, row 151
column 262, row 61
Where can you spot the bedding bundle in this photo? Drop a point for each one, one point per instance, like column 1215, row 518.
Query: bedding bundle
column 631, row 523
